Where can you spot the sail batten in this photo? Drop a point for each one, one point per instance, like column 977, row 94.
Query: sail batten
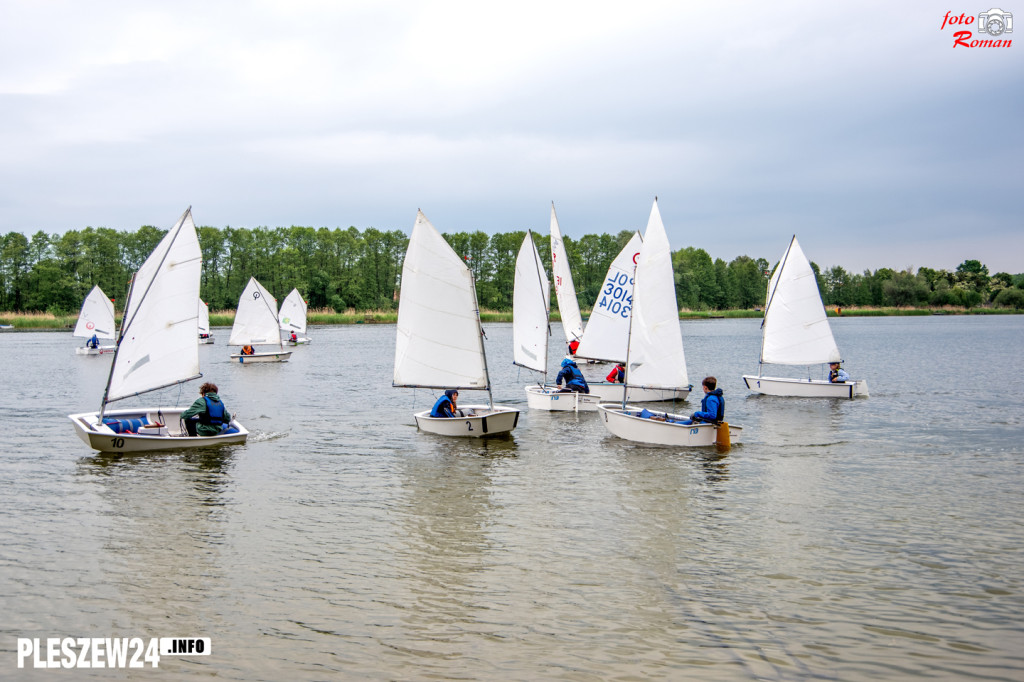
column 795, row 327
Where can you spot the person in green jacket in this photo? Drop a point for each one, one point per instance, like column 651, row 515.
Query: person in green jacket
column 207, row 416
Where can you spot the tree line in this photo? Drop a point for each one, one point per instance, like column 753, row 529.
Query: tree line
column 344, row 269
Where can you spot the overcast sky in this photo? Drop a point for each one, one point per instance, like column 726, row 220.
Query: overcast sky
column 856, row 126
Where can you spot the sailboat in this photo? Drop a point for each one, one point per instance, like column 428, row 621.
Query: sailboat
column 256, row 325
column 565, row 290
column 795, row 331
column 606, row 337
column 204, row 323
column 530, row 331
column 96, row 318
column 440, row 339
column 655, row 355
column 293, row 318
column 156, row 348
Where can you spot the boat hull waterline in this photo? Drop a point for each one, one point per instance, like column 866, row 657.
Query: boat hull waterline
column 475, row 421
column 626, row 424
column 806, row 388
column 552, row 400
column 168, row 436
column 276, row 356
column 102, row 350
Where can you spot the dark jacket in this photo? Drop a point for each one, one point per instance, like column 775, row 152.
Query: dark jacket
column 712, row 408
column 573, row 377
column 209, row 424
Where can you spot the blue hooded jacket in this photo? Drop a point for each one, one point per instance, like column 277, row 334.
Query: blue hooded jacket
column 712, row 408
column 572, row 376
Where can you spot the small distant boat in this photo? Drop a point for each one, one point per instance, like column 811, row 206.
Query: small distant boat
column 655, row 355
column 439, row 342
column 204, row 323
column 96, row 319
column 293, row 319
column 255, row 325
column 795, row 331
column 157, row 348
column 530, row 331
column 6, row 326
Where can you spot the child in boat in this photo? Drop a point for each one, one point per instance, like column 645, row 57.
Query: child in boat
column 247, row 350
column 712, row 405
column 207, row 416
column 837, row 374
column 445, row 406
column 617, row 375
column 573, row 377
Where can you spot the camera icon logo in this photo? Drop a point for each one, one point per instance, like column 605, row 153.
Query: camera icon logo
column 995, row 22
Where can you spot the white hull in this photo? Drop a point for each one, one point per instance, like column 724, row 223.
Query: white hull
column 301, row 341
column 547, row 398
column 167, row 437
column 206, row 341
column 806, row 388
column 276, row 356
column 627, row 425
column 102, row 350
column 480, row 421
column 611, row 392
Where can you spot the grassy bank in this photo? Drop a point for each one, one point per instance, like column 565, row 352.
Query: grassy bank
column 225, row 318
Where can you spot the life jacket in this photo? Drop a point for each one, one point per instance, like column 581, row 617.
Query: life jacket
column 573, row 345
column 720, row 412
column 247, row 350
column 214, row 415
column 443, row 408
column 618, row 374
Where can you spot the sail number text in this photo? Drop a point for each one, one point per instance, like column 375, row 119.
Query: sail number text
column 617, row 294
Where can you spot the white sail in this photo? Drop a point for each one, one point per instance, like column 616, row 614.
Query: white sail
column 96, row 316
column 531, row 294
column 204, row 318
column 796, row 330
column 256, row 318
column 159, row 341
column 607, row 334
column 565, row 291
column 439, row 342
column 293, row 313
column 656, row 356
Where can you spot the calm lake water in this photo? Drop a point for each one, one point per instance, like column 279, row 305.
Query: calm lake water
column 876, row 539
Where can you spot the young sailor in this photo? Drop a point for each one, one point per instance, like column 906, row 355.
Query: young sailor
column 445, row 405
column 573, row 377
column 207, row 416
column 617, row 375
column 712, row 405
column 836, row 373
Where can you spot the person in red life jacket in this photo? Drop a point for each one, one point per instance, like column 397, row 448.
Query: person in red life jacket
column 207, row 416
column 617, row 375
column 295, row 339
column 247, row 350
column 573, row 345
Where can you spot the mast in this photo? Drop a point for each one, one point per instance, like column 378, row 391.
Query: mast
column 480, row 336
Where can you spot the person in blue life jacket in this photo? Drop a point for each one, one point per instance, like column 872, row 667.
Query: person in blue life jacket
column 712, row 405
column 94, row 342
column 445, row 406
column 573, row 377
column 837, row 374
column 207, row 416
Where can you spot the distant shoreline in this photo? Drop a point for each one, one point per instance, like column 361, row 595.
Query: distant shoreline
column 225, row 318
